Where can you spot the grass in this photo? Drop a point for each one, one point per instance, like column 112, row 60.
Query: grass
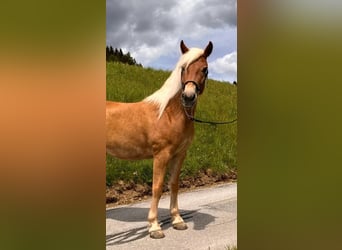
column 213, row 147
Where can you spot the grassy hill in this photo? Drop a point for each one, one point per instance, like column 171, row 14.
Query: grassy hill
column 214, row 147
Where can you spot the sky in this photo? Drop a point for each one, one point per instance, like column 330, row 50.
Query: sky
column 151, row 31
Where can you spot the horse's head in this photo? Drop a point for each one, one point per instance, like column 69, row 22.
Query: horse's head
column 194, row 76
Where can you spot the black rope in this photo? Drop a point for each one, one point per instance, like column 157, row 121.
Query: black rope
column 192, row 118
column 213, row 123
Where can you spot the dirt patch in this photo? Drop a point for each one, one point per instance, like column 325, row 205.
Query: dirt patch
column 129, row 192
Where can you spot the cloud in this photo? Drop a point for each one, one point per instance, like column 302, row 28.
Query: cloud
column 134, row 23
column 225, row 67
column 152, row 29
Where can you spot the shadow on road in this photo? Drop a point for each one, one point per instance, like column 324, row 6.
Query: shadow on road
column 129, row 214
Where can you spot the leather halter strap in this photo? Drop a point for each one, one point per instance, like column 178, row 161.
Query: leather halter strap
column 198, row 89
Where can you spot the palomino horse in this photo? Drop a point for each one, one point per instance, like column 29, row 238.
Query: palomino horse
column 160, row 127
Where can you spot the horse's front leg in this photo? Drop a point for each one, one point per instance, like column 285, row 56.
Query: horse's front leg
column 175, row 167
column 160, row 162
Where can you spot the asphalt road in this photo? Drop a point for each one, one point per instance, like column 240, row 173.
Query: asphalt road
column 210, row 214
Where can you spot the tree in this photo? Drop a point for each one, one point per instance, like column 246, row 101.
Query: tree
column 117, row 55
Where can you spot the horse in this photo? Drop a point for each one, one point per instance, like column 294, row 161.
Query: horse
column 160, row 127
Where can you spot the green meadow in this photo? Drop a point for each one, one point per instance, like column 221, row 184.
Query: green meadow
column 214, row 146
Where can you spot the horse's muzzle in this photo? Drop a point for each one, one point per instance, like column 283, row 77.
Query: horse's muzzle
column 188, row 100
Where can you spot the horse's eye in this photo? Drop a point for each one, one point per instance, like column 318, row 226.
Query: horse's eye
column 205, row 71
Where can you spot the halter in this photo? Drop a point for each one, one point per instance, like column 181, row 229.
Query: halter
column 198, row 89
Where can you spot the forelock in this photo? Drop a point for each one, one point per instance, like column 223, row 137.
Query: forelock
column 189, row 57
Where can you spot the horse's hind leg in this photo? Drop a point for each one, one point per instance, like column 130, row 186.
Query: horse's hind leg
column 159, row 166
column 175, row 167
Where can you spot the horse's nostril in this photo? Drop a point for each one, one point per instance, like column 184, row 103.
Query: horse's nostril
column 188, row 98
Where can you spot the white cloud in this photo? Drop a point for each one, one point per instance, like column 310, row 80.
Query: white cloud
column 225, row 68
column 146, row 54
column 151, row 30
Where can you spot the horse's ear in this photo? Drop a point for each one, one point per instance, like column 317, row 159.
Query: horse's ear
column 183, row 47
column 208, row 49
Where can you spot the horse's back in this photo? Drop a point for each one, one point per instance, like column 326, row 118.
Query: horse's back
column 132, row 112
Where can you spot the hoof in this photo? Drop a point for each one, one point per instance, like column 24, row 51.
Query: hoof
column 157, row 234
column 180, row 226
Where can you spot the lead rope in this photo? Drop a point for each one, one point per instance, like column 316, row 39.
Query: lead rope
column 192, row 118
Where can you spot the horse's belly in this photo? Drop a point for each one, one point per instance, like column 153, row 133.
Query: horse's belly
column 129, row 152
column 128, row 145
